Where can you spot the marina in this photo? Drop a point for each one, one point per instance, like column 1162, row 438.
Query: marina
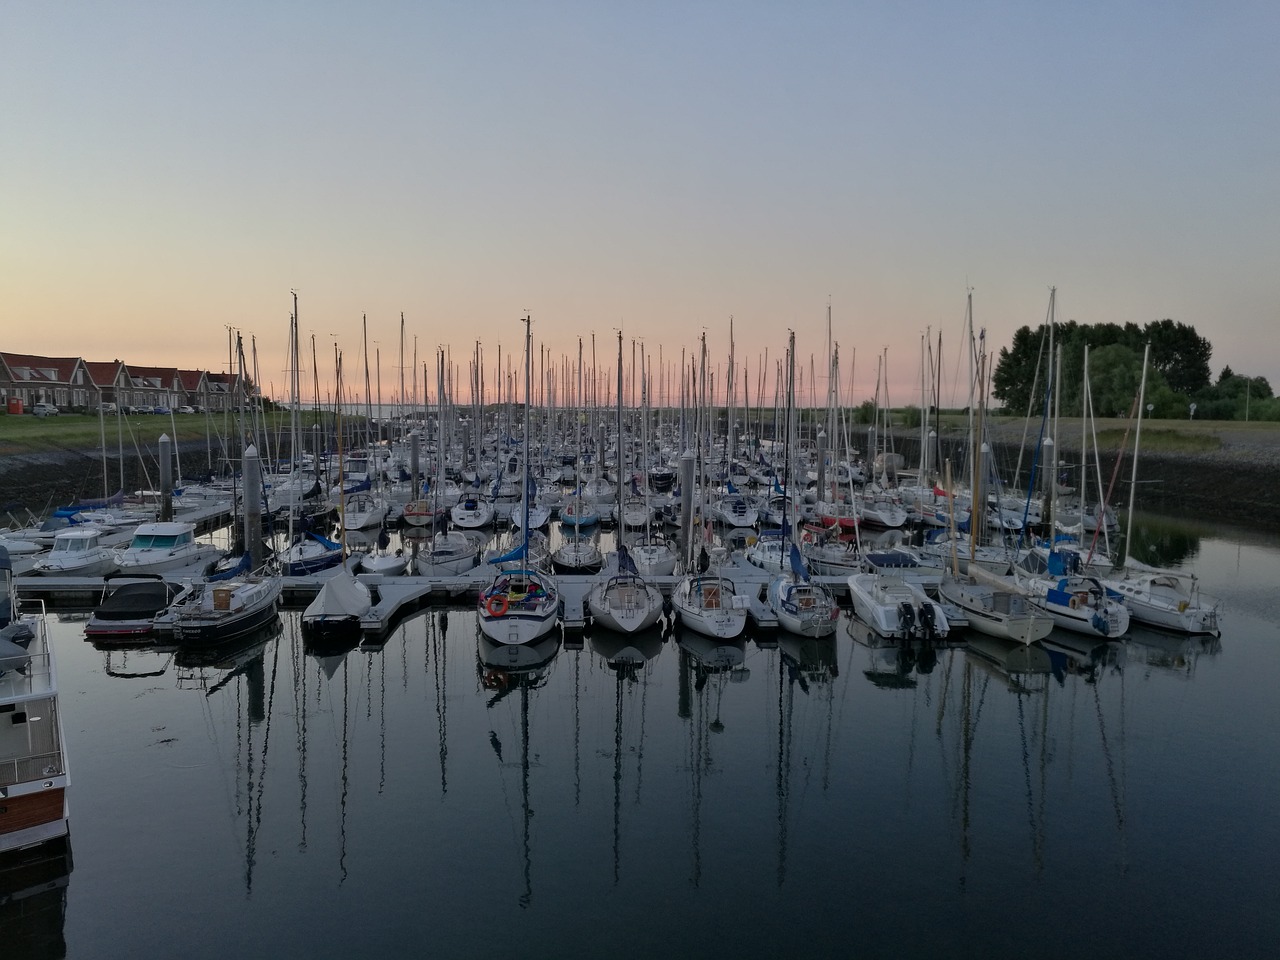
column 428, row 786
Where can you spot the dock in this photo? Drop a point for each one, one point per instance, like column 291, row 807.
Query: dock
column 396, row 597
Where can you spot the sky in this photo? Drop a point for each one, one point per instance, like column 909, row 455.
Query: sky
column 170, row 171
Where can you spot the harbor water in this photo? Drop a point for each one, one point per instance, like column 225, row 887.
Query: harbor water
column 433, row 795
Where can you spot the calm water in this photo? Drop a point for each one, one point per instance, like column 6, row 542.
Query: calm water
column 759, row 800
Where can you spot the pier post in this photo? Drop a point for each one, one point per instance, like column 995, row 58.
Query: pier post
column 253, row 506
column 686, row 502
column 415, row 444
column 166, row 478
column 822, row 465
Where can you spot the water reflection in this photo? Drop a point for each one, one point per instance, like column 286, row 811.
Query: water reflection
column 516, row 669
column 33, row 899
column 627, row 657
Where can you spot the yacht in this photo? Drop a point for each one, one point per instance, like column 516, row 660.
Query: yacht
column 33, row 763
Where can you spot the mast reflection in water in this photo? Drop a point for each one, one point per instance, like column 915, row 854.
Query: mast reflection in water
column 424, row 789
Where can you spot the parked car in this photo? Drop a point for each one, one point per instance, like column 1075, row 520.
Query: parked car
column 161, row 410
column 186, row 409
column 107, row 407
column 143, row 408
column 44, row 409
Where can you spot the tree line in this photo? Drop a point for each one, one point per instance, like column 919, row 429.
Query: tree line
column 1180, row 382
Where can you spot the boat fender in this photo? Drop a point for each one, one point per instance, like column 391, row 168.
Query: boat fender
column 496, row 605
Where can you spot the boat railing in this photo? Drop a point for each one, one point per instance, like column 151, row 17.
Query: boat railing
column 32, row 767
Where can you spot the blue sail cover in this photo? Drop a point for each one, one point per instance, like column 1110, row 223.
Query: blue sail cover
column 625, row 563
column 797, row 564
column 515, row 553
column 243, row 565
column 728, row 485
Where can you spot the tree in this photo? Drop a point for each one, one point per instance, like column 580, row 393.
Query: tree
column 1180, row 354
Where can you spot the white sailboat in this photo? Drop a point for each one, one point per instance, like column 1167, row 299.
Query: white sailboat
column 522, row 604
column 343, row 600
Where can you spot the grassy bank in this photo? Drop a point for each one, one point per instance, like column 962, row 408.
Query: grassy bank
column 28, row 434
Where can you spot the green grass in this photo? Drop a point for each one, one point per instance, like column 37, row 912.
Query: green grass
column 72, row 431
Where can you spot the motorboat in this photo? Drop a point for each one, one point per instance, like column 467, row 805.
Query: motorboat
column 896, row 608
column 33, row 777
column 77, row 552
column 129, row 606
column 166, row 547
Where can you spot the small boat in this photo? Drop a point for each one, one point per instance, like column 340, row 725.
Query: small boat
column 578, row 554
column 996, row 611
column 708, row 604
column 625, row 602
column 34, row 778
column 518, row 607
column 578, row 511
column 1169, row 599
column 166, row 547
column 801, row 606
column 655, row 557
column 77, row 552
column 447, row 555
column 471, row 513
column 425, row 513
column 129, row 607
column 310, row 553
column 895, row 608
column 337, row 610
column 218, row 611
column 1080, row 603
column 361, row 511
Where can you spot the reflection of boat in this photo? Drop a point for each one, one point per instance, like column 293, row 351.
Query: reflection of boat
column 223, row 610
column 129, row 607
column 1023, row 667
column 505, row 669
column 1175, row 652
column 33, row 899
column 714, row 654
column 621, row 651
column 891, row 663
column 33, row 767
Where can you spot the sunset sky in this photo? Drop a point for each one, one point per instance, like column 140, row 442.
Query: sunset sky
column 170, row 170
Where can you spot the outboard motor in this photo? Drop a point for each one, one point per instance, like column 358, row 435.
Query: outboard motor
column 928, row 622
column 907, row 619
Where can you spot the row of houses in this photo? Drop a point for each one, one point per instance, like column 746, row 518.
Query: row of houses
column 76, row 384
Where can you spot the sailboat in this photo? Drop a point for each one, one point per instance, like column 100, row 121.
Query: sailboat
column 707, row 602
column 800, row 605
column 521, row 604
column 343, row 600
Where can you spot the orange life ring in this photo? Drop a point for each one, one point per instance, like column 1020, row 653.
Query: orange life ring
column 496, row 604
column 808, row 536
